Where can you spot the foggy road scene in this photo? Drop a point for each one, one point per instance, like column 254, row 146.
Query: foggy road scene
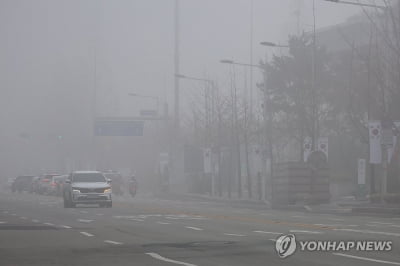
column 199, row 132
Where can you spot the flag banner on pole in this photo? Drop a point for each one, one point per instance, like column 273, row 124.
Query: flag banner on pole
column 375, row 149
column 323, row 145
column 307, row 148
column 392, row 149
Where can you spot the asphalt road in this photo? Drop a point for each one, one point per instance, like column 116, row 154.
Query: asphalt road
column 37, row 230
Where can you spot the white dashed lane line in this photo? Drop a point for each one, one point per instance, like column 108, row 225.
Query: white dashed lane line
column 136, row 219
column 66, row 226
column 23, row 218
column 3, row 222
column 159, row 257
column 367, row 259
column 194, row 228
column 83, row 211
column 35, row 221
column 49, row 224
column 84, row 221
column 265, row 232
column 227, row 234
column 305, row 232
column 381, row 223
column 113, row 242
column 86, row 234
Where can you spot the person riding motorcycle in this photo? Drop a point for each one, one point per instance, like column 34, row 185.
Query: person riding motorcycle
column 133, row 186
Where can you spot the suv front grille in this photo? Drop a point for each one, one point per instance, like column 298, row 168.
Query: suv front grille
column 91, row 190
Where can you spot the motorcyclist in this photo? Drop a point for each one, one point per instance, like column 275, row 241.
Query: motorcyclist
column 133, row 185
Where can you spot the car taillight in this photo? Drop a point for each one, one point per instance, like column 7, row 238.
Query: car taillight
column 53, row 184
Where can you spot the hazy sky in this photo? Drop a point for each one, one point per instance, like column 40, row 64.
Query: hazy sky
column 49, row 48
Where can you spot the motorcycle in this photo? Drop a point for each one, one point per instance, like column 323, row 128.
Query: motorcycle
column 132, row 187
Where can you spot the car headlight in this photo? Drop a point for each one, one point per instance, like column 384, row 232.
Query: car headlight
column 76, row 191
column 107, row 190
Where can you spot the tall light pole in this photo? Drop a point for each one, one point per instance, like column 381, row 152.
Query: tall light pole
column 208, row 117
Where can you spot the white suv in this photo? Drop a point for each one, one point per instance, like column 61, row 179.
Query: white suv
column 87, row 187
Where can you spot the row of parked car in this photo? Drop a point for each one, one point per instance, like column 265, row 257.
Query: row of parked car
column 48, row 184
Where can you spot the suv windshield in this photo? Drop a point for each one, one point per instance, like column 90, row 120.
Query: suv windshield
column 88, row 177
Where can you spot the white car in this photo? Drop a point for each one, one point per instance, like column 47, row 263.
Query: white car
column 87, row 187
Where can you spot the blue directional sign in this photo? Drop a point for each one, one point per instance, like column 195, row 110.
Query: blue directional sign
column 118, row 128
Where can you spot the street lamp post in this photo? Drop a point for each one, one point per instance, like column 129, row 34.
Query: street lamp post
column 208, row 117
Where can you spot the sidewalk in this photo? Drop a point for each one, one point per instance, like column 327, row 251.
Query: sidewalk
column 339, row 207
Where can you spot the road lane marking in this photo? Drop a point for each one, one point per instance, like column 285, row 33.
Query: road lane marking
column 84, row 221
column 159, row 257
column 86, row 234
column 381, row 223
column 299, row 216
column 395, row 225
column 373, row 225
column 335, row 225
column 113, row 242
column 368, row 259
column 5, row 211
column 305, row 232
column 23, row 218
column 83, row 211
column 227, row 234
column 136, row 219
column 163, row 223
column 66, row 226
column 2, row 222
column 49, row 224
column 368, row 232
column 35, row 221
column 99, row 214
column 194, row 228
column 265, row 232
column 274, row 240
column 13, row 214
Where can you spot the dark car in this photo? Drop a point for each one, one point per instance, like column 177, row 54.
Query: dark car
column 22, row 183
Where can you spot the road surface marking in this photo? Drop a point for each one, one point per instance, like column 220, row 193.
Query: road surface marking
column 5, row 211
column 368, row 259
column 395, row 225
column 373, row 225
column 35, row 221
column 368, row 232
column 267, row 214
column 49, row 224
column 299, row 216
column 84, row 221
column 113, row 242
column 265, row 232
column 194, row 228
column 23, row 218
column 159, row 257
column 136, row 219
column 381, row 223
column 99, row 214
column 13, row 214
column 163, row 223
column 86, row 234
column 83, row 211
column 334, row 225
column 233, row 234
column 66, row 226
column 305, row 232
column 272, row 239
column 2, row 222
